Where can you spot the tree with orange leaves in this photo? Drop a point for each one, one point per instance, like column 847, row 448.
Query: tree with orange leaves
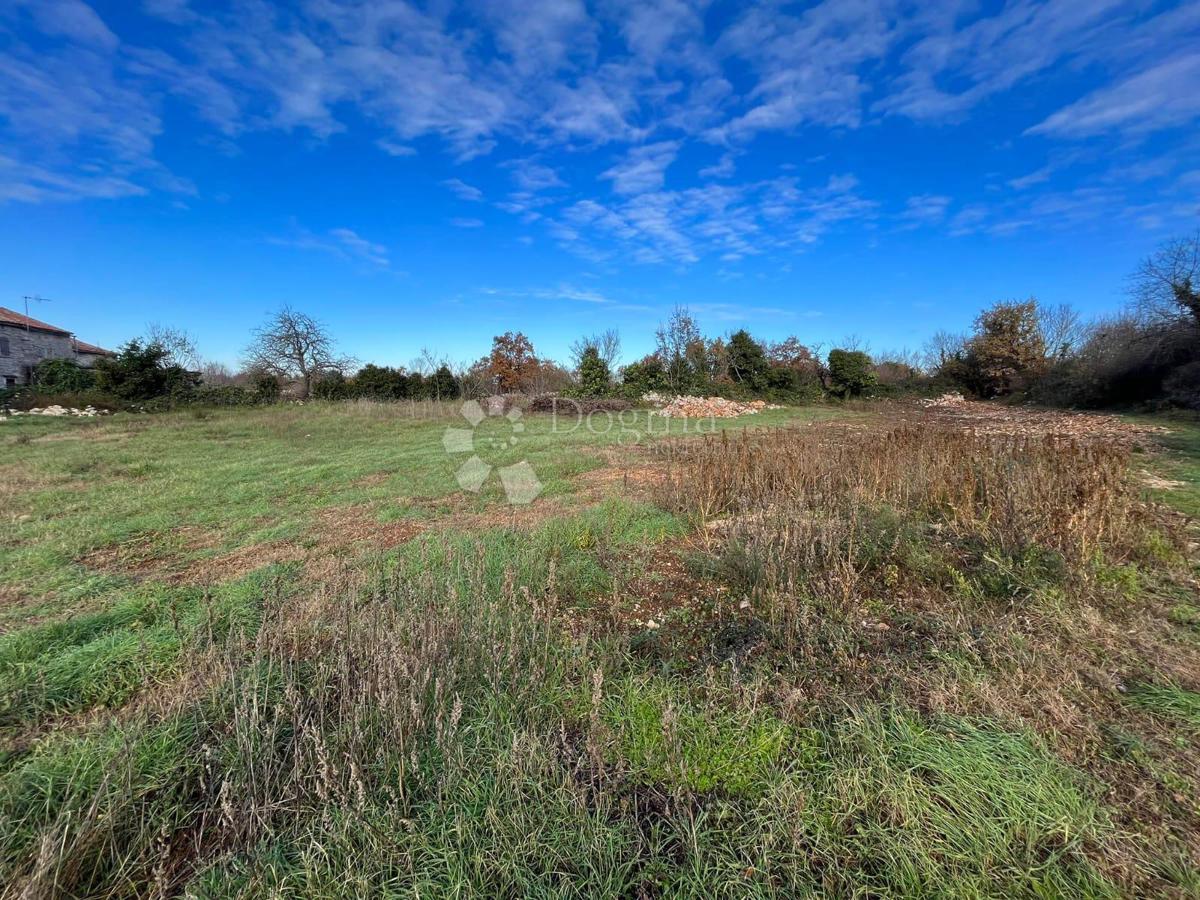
column 513, row 362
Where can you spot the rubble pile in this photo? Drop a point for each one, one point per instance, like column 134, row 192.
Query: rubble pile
column 56, row 410
column 952, row 399
column 711, row 408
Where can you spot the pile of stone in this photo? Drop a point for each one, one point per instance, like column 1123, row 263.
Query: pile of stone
column 952, row 399
column 711, row 408
column 56, row 410
column 655, row 399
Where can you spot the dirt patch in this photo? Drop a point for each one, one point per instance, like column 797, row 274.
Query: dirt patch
column 1158, row 483
column 12, row 600
column 152, row 553
column 375, row 479
column 629, row 482
column 343, row 526
column 1023, row 421
column 240, row 562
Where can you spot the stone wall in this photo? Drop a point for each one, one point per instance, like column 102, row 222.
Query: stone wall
column 26, row 349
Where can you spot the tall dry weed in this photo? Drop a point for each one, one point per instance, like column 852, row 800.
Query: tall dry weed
column 1014, row 492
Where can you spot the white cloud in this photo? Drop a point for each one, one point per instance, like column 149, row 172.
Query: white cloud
column 807, row 65
column 552, row 84
column 463, row 222
column 71, row 19
column 342, row 243
column 462, row 190
column 1166, row 95
column 722, row 168
column 730, row 221
column 391, row 148
column 643, row 169
column 532, row 176
column 29, row 183
column 925, row 209
column 956, row 63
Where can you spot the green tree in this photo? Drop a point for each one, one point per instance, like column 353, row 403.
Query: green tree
column 644, row 376
column 594, row 377
column 747, row 361
column 442, row 384
column 141, row 372
column 850, row 373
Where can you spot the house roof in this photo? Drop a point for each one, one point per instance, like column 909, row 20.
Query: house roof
column 12, row 317
column 85, row 347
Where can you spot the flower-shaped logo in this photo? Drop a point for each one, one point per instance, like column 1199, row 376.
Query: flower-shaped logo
column 521, row 484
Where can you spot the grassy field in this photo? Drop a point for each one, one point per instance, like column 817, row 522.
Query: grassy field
column 280, row 652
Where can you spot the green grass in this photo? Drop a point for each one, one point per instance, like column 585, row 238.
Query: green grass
column 1169, row 702
column 467, row 714
column 664, row 738
column 243, row 477
column 1181, row 464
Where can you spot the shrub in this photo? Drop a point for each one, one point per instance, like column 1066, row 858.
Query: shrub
column 1124, row 361
column 266, row 387
column 224, row 395
column 1182, row 387
column 380, row 383
column 792, row 383
column 55, row 376
column 331, row 386
column 141, row 372
column 644, row 376
column 850, row 373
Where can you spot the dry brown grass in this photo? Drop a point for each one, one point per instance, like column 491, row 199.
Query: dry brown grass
column 1016, row 492
column 1021, row 579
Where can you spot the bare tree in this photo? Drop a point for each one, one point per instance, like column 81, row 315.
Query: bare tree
column 681, row 349
column 899, row 364
column 181, row 349
column 295, row 346
column 942, row 348
column 215, row 373
column 1167, row 285
column 1063, row 330
column 474, row 379
column 427, row 362
column 607, row 344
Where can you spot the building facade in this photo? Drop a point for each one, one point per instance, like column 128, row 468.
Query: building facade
column 24, row 342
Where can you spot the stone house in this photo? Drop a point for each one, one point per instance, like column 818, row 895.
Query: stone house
column 24, row 342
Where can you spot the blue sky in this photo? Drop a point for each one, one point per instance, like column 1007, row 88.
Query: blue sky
column 429, row 174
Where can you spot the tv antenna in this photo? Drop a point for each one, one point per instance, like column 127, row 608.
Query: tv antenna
column 36, row 299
